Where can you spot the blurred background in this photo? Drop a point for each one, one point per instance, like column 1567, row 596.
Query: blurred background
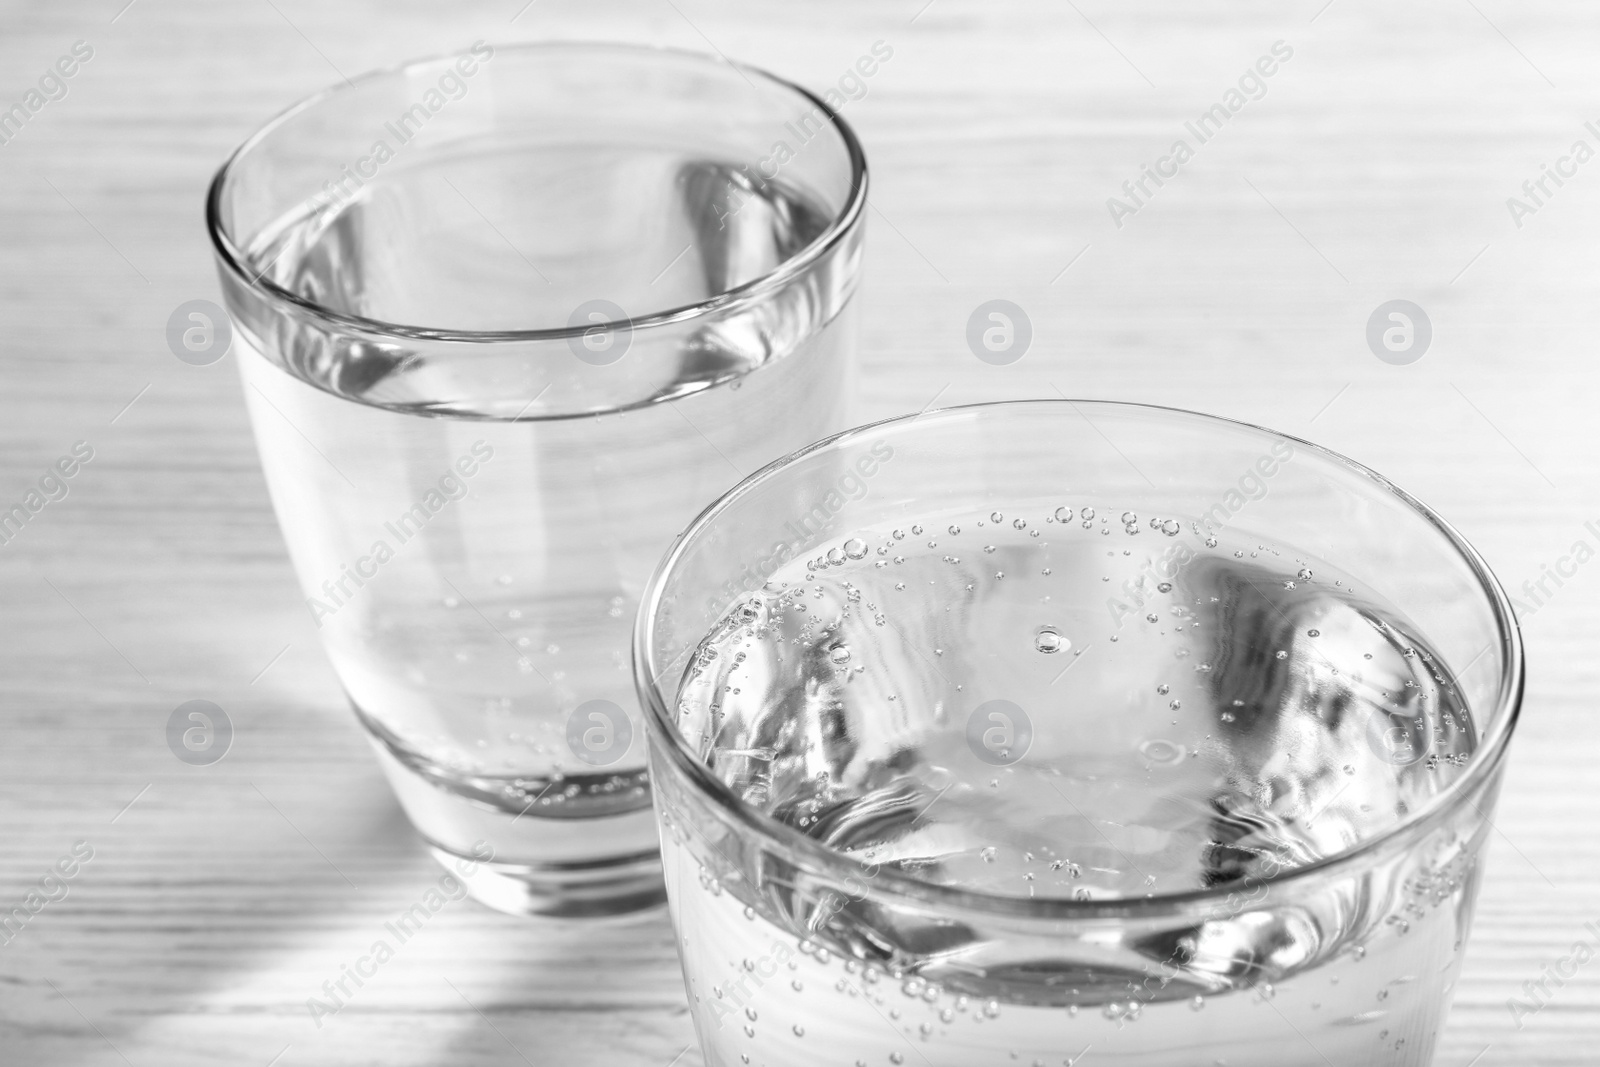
column 1396, row 153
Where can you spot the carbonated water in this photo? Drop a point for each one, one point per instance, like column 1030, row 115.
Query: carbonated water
column 1081, row 704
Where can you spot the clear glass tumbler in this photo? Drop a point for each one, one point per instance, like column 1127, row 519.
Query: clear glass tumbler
column 1052, row 731
column 506, row 321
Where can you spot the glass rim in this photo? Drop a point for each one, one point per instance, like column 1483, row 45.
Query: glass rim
column 810, row 854
column 844, row 219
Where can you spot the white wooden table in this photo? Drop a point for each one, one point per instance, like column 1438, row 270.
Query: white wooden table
column 1377, row 165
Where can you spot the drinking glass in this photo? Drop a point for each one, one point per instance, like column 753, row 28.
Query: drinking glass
column 1050, row 731
column 506, row 320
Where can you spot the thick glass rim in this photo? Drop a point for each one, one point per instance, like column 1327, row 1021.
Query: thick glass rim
column 809, row 854
column 739, row 296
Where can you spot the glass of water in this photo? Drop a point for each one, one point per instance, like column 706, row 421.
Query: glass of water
column 1073, row 731
column 506, row 321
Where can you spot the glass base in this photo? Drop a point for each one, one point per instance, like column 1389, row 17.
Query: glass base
column 620, row 887
column 526, row 864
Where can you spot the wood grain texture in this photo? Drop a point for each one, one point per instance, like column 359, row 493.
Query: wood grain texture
column 1376, row 166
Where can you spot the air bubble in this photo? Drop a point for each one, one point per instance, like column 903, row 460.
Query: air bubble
column 995, row 516
column 1280, row 654
column 1171, row 527
column 839, row 654
column 1063, row 514
column 1160, row 750
column 835, row 556
column 1049, row 640
column 1163, row 587
column 1305, row 574
column 955, row 530
column 1019, row 524
column 855, row 548
column 1088, row 514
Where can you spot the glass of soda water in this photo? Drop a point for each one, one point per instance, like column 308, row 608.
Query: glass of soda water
column 506, row 321
column 1050, row 731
